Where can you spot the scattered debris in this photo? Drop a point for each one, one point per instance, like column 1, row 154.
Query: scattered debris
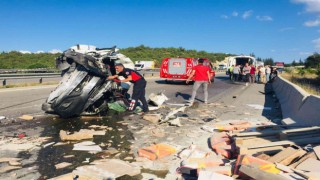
column 117, row 106
column 157, row 99
column 48, row 144
column 156, row 151
column 87, row 146
column 82, row 134
column 62, row 165
column 167, row 118
column 2, row 117
column 257, row 106
column 175, row 122
column 26, row 117
column 154, row 118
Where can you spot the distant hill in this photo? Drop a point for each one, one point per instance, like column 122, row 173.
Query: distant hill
column 18, row 60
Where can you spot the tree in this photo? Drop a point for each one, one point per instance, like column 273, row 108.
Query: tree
column 294, row 63
column 268, row 61
column 313, row 61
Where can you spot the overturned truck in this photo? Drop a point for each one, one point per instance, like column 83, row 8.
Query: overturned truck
column 84, row 88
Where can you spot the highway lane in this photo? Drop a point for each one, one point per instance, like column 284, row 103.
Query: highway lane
column 15, row 102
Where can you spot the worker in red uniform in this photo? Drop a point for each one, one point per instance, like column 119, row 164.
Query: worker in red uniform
column 139, row 88
column 201, row 74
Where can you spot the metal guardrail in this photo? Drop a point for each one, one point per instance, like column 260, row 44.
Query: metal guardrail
column 26, row 75
column 38, row 70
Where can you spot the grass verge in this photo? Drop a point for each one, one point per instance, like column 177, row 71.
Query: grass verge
column 309, row 82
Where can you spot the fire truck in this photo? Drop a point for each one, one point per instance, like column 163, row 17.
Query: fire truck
column 179, row 69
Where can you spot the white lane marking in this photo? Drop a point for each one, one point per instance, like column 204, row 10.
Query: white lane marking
column 27, row 88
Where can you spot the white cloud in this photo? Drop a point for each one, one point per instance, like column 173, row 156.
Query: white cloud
column 264, row 18
column 247, row 14
column 54, row 51
column 312, row 23
column 25, row 52
column 305, row 53
column 38, row 52
column 311, row 5
column 316, row 42
column 235, row 13
column 286, row 29
column 224, row 16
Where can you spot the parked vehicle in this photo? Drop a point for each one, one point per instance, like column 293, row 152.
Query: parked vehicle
column 84, row 88
column 222, row 66
column 144, row 65
column 181, row 68
column 240, row 60
column 279, row 66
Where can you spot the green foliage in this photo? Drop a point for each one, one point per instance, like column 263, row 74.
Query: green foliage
column 313, row 61
column 301, row 72
column 17, row 60
column 157, row 54
column 268, row 61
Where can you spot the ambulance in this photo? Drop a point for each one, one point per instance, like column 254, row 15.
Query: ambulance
column 179, row 69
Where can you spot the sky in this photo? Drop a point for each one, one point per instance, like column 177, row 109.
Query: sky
column 284, row 30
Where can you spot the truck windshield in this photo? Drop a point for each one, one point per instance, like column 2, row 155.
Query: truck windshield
column 137, row 65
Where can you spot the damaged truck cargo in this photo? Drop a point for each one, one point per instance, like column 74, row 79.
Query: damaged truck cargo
column 84, row 88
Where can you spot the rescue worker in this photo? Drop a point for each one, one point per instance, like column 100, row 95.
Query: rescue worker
column 201, row 75
column 139, row 87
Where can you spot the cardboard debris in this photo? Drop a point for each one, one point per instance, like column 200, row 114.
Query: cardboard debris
column 62, row 165
column 26, row 117
column 82, row 134
column 4, row 169
column 4, row 159
column 154, row 118
column 175, row 122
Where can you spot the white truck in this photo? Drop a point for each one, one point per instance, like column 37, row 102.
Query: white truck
column 143, row 65
column 240, row 60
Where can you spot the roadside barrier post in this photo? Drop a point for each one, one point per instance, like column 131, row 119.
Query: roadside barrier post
column 4, row 82
column 40, row 81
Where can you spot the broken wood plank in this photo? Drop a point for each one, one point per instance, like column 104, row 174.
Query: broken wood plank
column 308, row 155
column 256, row 173
column 309, row 165
column 266, row 150
column 275, row 132
column 317, row 151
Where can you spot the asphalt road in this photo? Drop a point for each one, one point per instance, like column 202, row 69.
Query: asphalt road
column 28, row 100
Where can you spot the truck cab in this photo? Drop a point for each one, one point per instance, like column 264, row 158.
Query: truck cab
column 138, row 67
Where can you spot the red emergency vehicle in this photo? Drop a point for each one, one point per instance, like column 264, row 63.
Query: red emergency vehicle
column 181, row 68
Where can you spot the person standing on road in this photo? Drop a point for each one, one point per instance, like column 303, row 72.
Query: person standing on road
column 236, row 72
column 201, row 76
column 263, row 74
column 139, row 88
column 268, row 72
column 252, row 74
column 246, row 73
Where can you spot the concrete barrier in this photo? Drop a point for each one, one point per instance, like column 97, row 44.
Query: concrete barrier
column 309, row 113
column 298, row 107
